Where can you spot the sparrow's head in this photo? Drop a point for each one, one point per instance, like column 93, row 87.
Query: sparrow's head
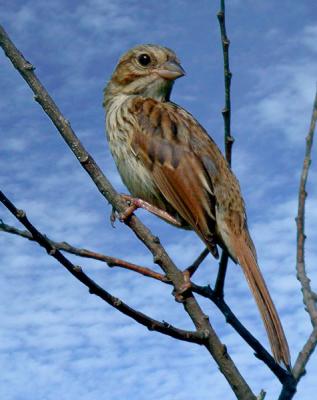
column 146, row 70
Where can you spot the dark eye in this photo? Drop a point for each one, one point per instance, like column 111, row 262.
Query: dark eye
column 144, row 59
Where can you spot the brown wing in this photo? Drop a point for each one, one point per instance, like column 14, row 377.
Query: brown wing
column 163, row 143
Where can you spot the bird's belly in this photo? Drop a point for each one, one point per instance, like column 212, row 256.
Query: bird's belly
column 134, row 175
column 136, row 178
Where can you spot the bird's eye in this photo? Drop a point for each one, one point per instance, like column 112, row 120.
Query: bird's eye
column 144, row 59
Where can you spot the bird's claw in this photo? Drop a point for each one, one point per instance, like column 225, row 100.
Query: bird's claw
column 123, row 216
column 128, row 212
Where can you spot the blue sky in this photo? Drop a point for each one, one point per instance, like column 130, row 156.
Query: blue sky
column 56, row 340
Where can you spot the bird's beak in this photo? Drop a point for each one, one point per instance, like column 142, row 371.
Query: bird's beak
column 170, row 70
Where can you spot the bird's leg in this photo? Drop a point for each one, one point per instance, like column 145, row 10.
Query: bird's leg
column 135, row 203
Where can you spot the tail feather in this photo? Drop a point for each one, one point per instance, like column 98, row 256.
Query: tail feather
column 272, row 323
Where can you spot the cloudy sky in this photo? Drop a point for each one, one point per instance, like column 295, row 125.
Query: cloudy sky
column 57, row 341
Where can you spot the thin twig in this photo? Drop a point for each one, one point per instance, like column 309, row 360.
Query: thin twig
column 299, row 369
column 221, row 276
column 195, row 265
column 64, row 246
column 226, row 112
column 213, row 344
column 94, row 288
column 206, row 292
column 199, row 259
column 308, row 294
column 228, row 139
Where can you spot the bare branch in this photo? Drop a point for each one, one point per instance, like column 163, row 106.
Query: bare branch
column 226, row 113
column 221, row 276
column 94, row 288
column 200, row 320
column 303, row 356
column 64, row 246
column 195, row 265
column 309, row 297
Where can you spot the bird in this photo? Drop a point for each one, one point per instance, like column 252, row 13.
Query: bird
column 172, row 167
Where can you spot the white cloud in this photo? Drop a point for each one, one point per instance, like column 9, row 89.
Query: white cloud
column 280, row 100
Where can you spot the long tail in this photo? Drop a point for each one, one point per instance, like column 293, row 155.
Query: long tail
column 272, row 323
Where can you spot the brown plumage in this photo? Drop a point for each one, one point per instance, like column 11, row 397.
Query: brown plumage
column 166, row 158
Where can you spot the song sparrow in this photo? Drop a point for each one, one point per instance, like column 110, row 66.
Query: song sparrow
column 166, row 158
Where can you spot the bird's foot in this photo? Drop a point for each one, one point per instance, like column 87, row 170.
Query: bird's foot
column 135, row 203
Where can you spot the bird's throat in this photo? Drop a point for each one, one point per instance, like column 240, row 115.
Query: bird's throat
column 159, row 89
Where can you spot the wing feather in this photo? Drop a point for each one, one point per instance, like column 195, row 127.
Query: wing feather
column 177, row 171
